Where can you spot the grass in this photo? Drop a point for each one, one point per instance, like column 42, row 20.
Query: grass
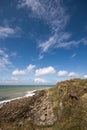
column 71, row 112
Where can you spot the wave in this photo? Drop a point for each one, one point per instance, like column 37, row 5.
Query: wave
column 28, row 94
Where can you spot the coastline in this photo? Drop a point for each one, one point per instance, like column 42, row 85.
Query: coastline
column 63, row 106
column 29, row 94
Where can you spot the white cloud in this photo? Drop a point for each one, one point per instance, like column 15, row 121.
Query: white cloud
column 61, row 41
column 5, row 62
column 85, row 76
column 6, row 31
column 44, row 71
column 49, row 43
column 34, row 5
column 25, row 71
column 41, row 56
column 73, row 74
column 52, row 12
column 39, row 80
column 54, row 41
column 62, row 73
column 68, row 44
column 30, row 67
column 55, row 15
column 19, row 72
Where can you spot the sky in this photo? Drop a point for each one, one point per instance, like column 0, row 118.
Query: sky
column 42, row 41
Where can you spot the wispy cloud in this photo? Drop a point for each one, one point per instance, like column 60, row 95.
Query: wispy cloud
column 48, row 44
column 6, row 31
column 41, row 56
column 23, row 72
column 5, row 62
column 55, row 41
column 34, row 5
column 74, row 55
column 61, row 41
column 52, row 12
column 55, row 14
column 70, row 43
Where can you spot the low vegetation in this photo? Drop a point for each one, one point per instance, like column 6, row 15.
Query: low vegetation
column 63, row 107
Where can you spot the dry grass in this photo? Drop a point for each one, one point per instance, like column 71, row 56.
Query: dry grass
column 69, row 103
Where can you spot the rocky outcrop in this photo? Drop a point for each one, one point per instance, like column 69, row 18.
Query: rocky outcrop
column 63, row 107
column 36, row 109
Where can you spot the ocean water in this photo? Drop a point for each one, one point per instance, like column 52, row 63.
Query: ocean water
column 8, row 93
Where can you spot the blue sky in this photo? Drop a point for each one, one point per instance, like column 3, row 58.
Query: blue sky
column 42, row 42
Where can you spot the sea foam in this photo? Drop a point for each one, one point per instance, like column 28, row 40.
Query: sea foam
column 28, row 94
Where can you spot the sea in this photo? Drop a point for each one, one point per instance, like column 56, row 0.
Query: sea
column 12, row 92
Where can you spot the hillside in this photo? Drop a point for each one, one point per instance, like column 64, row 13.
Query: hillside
column 63, row 107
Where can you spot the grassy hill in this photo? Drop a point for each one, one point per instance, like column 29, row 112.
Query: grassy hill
column 63, row 107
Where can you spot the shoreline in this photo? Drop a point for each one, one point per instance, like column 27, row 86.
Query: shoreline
column 28, row 94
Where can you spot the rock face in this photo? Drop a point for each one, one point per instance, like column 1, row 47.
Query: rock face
column 42, row 111
column 63, row 107
column 37, row 109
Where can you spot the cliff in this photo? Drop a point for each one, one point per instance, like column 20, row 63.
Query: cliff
column 63, row 107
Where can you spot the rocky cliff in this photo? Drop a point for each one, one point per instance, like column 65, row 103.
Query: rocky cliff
column 63, row 107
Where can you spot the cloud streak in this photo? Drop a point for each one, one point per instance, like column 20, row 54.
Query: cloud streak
column 6, row 31
column 54, row 14
column 51, row 11
column 34, row 5
column 74, row 55
column 55, row 41
column 5, row 62
column 61, row 40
